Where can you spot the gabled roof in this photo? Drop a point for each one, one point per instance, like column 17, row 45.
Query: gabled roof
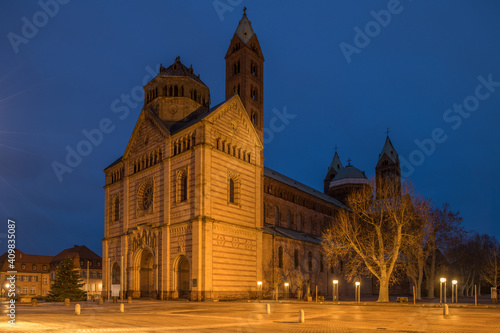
column 336, row 163
column 178, row 69
column 77, row 251
column 244, row 30
column 301, row 187
column 389, row 150
column 27, row 258
column 288, row 233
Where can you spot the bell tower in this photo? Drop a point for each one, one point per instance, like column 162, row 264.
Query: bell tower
column 388, row 171
column 245, row 72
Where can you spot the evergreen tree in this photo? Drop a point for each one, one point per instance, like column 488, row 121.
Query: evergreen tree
column 67, row 283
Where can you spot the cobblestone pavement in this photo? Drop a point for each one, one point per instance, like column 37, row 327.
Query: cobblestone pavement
column 160, row 316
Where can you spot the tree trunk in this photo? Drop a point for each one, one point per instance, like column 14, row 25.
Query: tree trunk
column 418, row 286
column 383, row 294
column 430, row 290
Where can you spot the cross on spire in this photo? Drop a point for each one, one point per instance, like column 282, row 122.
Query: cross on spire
column 335, row 148
column 387, row 131
column 349, row 161
column 244, row 10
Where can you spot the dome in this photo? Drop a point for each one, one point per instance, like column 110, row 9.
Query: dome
column 349, row 175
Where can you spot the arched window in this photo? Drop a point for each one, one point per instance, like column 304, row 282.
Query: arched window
column 296, row 258
column 182, row 186
column 280, row 257
column 299, row 226
column 309, row 261
column 194, row 95
column 170, row 91
column 116, row 209
column 311, row 226
column 231, row 190
column 276, row 216
column 289, row 219
column 176, row 91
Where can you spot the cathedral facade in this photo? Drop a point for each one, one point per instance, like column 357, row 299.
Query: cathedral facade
column 191, row 211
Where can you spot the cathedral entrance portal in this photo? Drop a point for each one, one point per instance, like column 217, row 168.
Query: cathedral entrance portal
column 146, row 274
column 183, row 277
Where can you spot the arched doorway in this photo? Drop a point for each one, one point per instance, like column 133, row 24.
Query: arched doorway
column 146, row 274
column 115, row 274
column 183, row 277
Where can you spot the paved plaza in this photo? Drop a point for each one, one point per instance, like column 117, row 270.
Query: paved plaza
column 182, row 316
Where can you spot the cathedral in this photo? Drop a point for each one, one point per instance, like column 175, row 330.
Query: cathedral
column 192, row 212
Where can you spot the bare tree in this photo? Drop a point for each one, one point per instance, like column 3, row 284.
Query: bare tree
column 370, row 234
column 415, row 246
column 444, row 226
column 491, row 270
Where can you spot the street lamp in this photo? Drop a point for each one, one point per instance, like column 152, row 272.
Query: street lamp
column 259, row 287
column 335, row 290
column 454, row 289
column 357, row 292
column 286, row 290
column 442, row 280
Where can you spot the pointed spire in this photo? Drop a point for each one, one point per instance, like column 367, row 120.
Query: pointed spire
column 336, row 163
column 244, row 30
column 389, row 150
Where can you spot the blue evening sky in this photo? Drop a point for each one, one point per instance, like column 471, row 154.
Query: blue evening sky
column 61, row 78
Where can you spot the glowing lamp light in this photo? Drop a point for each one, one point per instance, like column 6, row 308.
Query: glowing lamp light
column 358, row 283
column 335, row 281
column 286, row 284
column 259, row 283
column 443, row 280
column 7, row 285
column 454, row 281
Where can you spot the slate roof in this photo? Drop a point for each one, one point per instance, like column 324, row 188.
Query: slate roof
column 349, row 172
column 336, row 163
column 77, row 251
column 178, row 69
column 288, row 233
column 301, row 187
column 244, row 30
column 389, row 150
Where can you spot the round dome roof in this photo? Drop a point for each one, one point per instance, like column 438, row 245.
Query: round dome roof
column 349, row 175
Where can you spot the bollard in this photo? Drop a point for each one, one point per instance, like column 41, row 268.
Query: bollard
column 446, row 311
column 268, row 308
column 129, row 300
column 99, row 302
column 66, row 302
column 302, row 317
column 34, row 302
column 122, row 307
column 77, row 309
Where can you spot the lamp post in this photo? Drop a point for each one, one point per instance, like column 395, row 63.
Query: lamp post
column 357, row 292
column 335, row 290
column 442, row 280
column 259, row 289
column 286, row 290
column 454, row 290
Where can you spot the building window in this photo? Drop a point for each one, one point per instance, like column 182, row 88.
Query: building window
column 44, row 280
column 33, row 290
column 296, row 258
column 34, row 278
column 99, row 275
column 309, row 261
column 231, row 190
column 183, row 187
column 280, row 257
column 98, row 264
column 276, row 216
column 25, row 290
column 145, row 197
column 23, row 266
column 116, row 208
column 81, row 262
column 33, row 267
column 321, row 263
column 90, row 263
column 299, row 227
column 290, row 219
column 44, row 267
